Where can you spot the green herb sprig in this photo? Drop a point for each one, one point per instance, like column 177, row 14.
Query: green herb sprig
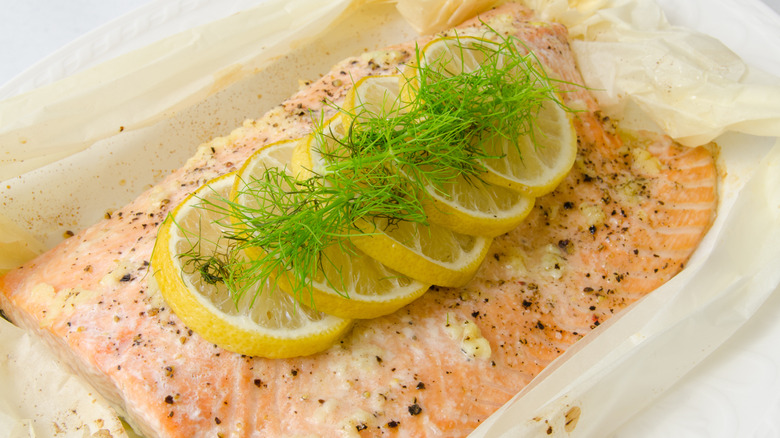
column 381, row 167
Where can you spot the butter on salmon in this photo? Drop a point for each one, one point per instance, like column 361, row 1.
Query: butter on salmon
column 622, row 223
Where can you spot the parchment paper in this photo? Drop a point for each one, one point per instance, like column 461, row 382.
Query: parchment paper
column 114, row 130
column 41, row 399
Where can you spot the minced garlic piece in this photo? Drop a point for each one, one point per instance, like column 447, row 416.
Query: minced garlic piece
column 472, row 343
column 645, row 162
column 351, row 424
column 552, row 261
column 634, row 191
column 367, row 357
column 59, row 302
column 514, row 265
column 594, row 215
column 122, row 272
column 153, row 293
column 630, row 189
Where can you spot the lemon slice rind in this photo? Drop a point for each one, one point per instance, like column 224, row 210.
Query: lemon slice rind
column 408, row 247
column 540, row 161
column 209, row 311
column 477, row 208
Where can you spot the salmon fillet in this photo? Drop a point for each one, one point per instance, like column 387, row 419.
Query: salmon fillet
column 624, row 221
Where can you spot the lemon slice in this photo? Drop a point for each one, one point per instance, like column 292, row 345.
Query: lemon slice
column 277, row 155
column 450, row 56
column 250, row 176
column 373, row 97
column 432, row 253
column 350, row 284
column 468, row 206
column 446, row 57
column 307, row 159
column 347, row 283
column 265, row 322
column 533, row 164
column 476, row 207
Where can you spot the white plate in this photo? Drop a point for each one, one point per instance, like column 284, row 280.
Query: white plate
column 733, row 393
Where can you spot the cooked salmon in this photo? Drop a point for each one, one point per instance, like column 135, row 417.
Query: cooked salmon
column 624, row 221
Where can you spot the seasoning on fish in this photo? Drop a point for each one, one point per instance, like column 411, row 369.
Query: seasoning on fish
column 624, row 221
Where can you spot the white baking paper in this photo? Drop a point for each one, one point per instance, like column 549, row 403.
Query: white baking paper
column 41, row 399
column 167, row 98
column 430, row 16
